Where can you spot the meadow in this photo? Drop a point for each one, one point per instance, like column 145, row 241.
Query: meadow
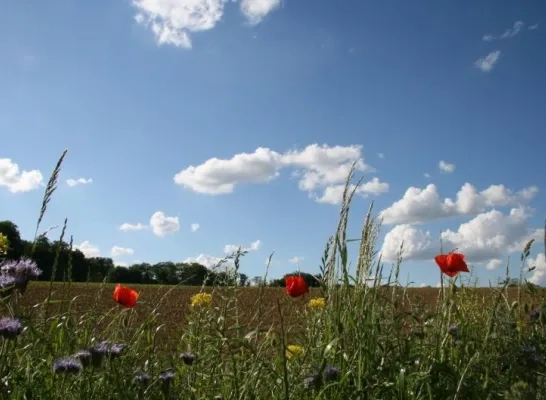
column 353, row 338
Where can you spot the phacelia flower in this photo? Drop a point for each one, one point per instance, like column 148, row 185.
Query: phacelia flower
column 453, row 330
column 4, row 244
column 201, row 299
column 7, row 282
column 295, row 286
column 10, row 327
column 105, row 348
column 67, row 365
column 534, row 315
column 188, row 358
column 331, row 373
column 451, row 264
column 166, row 377
column 143, row 378
column 125, row 296
column 293, row 350
column 84, row 356
column 22, row 270
column 311, row 382
column 317, row 303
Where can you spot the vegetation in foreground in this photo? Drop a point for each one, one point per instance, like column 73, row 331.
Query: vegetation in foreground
column 353, row 340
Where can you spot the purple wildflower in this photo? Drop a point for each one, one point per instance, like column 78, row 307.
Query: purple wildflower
column 188, row 358
column 311, row 382
column 106, row 348
column 10, row 327
column 453, row 330
column 143, row 378
column 22, row 270
column 84, row 356
column 67, row 365
column 331, row 373
column 7, row 283
column 166, row 377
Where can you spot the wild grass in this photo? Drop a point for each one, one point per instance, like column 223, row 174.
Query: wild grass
column 365, row 341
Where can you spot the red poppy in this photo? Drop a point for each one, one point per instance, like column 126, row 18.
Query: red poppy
column 296, row 286
column 125, row 296
column 451, row 264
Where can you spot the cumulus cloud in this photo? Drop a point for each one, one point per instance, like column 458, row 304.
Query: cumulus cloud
column 295, row 260
column 318, row 168
column 538, row 276
column 333, row 194
column 132, row 227
column 446, row 167
column 484, row 239
column 486, row 64
column 79, row 181
column 231, row 248
column 204, row 259
column 256, row 10
column 422, row 205
column 163, row 225
column 117, row 251
column 172, row 21
column 194, row 227
column 18, row 181
column 88, row 249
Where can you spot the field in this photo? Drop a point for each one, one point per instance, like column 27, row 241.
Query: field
column 171, row 304
column 348, row 340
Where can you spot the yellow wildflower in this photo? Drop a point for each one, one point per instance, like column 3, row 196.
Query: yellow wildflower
column 317, row 303
column 4, row 244
column 201, row 299
column 293, row 350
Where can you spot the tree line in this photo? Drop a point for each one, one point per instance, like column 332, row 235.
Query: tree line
column 57, row 257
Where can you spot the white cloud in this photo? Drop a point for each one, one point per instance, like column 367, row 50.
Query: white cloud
column 446, row 167
column 216, row 176
column 484, row 239
column 18, row 181
column 494, row 263
column 295, row 260
column 381, row 155
column 533, row 27
column 194, row 227
column 511, row 32
column 88, row 249
column 204, row 259
column 538, row 276
column 423, row 285
column 79, row 181
column 426, row 175
column 172, row 21
column 422, row 205
column 333, row 194
column 256, row 10
column 117, row 251
column 486, row 64
column 231, row 248
column 163, row 225
column 132, row 227
column 318, row 167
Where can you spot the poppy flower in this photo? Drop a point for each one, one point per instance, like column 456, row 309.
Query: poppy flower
column 296, row 286
column 451, row 264
column 125, row 296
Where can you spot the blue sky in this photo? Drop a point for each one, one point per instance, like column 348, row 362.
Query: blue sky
column 242, row 117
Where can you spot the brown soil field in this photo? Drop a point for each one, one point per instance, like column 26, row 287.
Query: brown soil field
column 173, row 303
